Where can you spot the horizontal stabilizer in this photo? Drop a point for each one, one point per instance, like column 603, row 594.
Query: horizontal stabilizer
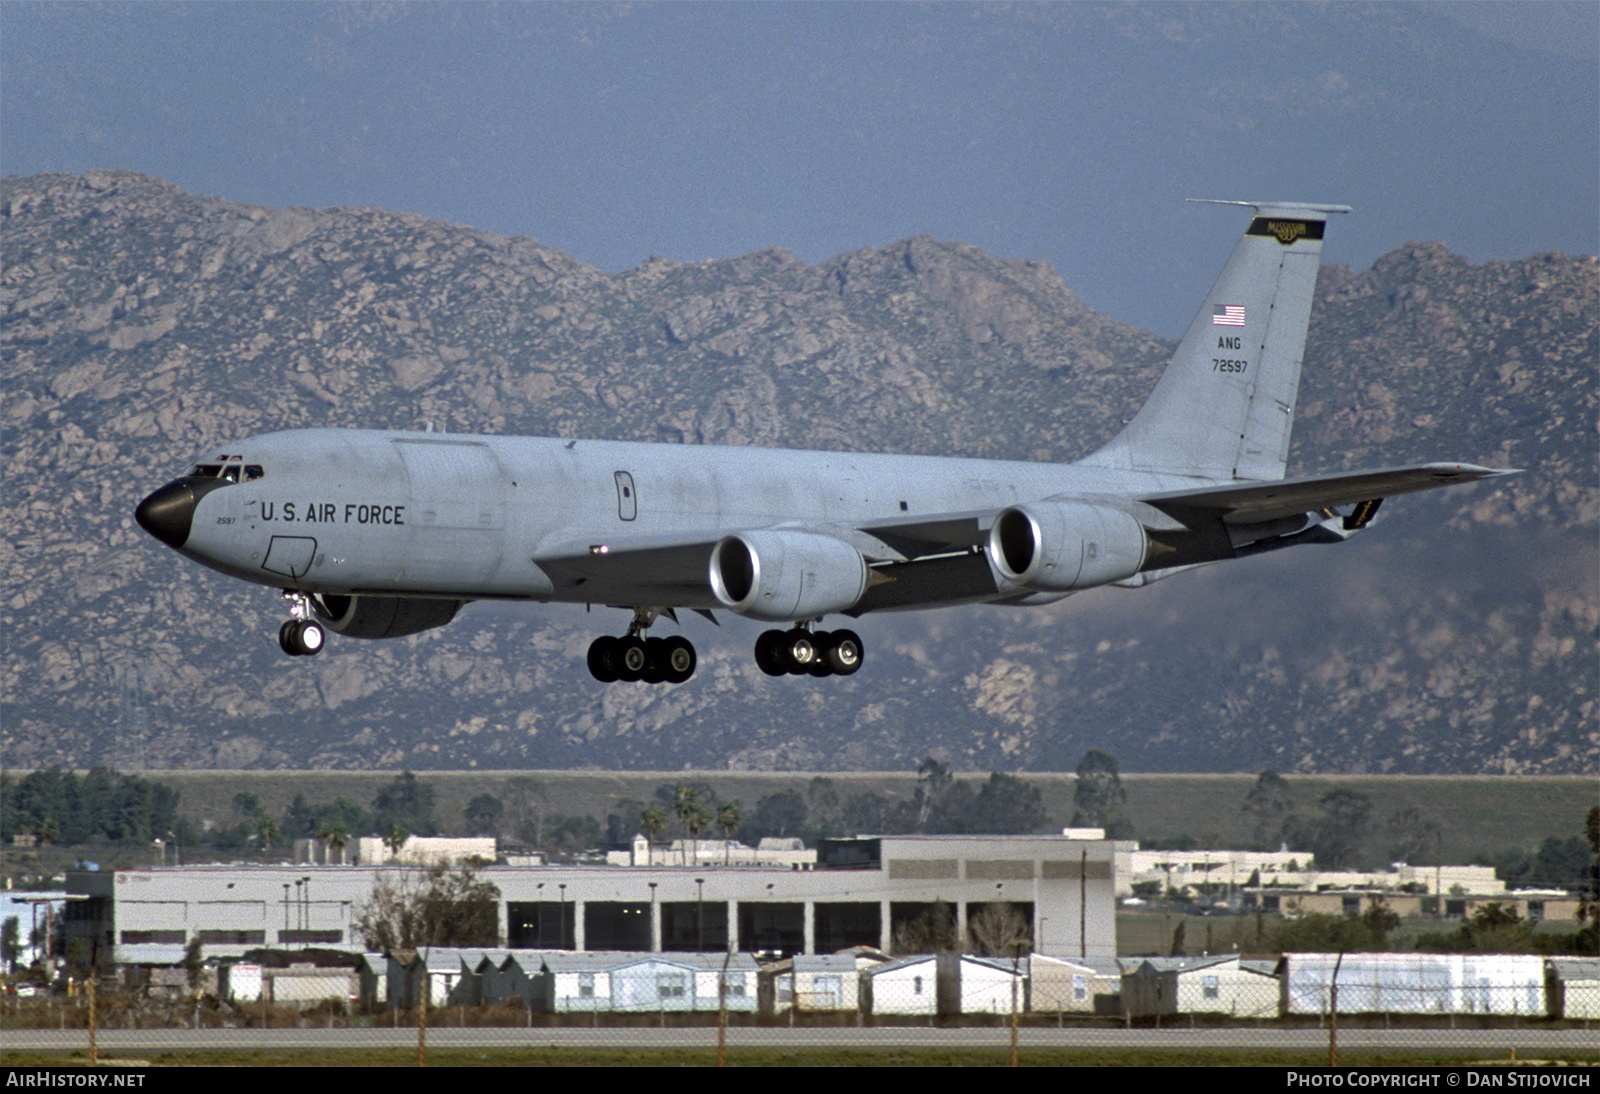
column 1264, row 501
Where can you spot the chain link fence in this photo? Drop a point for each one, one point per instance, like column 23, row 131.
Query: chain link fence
column 1317, row 1008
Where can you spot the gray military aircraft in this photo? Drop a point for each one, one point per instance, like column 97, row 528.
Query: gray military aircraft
column 376, row 534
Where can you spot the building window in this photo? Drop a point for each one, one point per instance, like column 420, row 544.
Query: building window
column 916, row 985
column 671, row 985
column 586, row 985
column 234, row 938
column 1080, row 988
column 1209, row 987
column 311, row 937
column 733, row 985
column 134, row 938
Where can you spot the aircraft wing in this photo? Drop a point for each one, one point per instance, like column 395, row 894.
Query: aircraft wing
column 1257, row 502
column 674, row 569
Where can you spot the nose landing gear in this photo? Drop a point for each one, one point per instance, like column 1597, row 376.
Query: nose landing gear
column 302, row 635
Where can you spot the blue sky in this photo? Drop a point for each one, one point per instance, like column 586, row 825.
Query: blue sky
column 1069, row 133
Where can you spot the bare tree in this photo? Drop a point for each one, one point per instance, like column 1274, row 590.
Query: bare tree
column 999, row 929
column 414, row 909
column 932, row 931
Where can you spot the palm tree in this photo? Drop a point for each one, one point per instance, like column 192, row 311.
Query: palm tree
column 728, row 816
column 697, row 821
column 685, row 800
column 655, row 826
column 267, row 829
column 333, row 837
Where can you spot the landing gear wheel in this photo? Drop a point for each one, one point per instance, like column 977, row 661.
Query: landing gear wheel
column 603, row 659
column 769, row 655
column 631, row 658
column 655, row 666
column 843, row 653
column 799, row 650
column 678, row 659
column 302, row 637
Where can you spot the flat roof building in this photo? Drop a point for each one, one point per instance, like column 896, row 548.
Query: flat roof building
column 1060, row 891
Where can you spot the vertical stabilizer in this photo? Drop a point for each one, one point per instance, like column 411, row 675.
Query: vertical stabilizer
column 1224, row 406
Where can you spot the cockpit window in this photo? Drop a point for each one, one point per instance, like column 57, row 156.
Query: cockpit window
column 230, row 469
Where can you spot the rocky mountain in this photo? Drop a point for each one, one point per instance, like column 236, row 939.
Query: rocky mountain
column 140, row 325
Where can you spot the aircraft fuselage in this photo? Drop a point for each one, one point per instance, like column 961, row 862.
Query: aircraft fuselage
column 351, row 512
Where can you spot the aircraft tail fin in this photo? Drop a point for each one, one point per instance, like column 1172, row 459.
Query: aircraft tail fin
column 1224, row 407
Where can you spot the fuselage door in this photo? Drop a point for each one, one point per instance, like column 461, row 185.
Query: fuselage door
column 627, row 502
column 456, row 515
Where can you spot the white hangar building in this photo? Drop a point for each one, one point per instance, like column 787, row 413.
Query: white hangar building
column 860, row 891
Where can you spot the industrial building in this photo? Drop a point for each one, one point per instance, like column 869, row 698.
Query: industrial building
column 858, row 894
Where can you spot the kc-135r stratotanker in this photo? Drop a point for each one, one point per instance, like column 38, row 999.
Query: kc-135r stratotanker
column 376, row 534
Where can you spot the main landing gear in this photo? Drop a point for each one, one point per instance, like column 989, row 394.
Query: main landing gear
column 635, row 657
column 302, row 635
column 803, row 652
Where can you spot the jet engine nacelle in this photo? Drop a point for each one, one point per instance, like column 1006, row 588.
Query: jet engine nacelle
column 383, row 616
column 782, row 575
column 1065, row 545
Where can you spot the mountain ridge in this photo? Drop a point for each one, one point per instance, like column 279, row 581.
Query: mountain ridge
column 140, row 324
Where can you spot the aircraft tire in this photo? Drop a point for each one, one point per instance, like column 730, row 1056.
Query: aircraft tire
column 603, row 659
column 309, row 637
column 632, row 658
column 799, row 651
column 844, row 652
column 655, row 665
column 678, row 659
column 819, row 667
column 769, row 655
column 286, row 638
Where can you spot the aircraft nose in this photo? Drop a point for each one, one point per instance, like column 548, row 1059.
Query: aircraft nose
column 168, row 513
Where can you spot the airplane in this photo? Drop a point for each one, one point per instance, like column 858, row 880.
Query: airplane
column 377, row 533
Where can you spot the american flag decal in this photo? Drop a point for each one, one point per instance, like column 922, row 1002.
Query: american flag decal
column 1227, row 315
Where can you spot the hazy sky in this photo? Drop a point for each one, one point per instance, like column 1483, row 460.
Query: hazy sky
column 1069, row 133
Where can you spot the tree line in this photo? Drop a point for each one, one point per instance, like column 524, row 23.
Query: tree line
column 59, row 807
column 1339, row 829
